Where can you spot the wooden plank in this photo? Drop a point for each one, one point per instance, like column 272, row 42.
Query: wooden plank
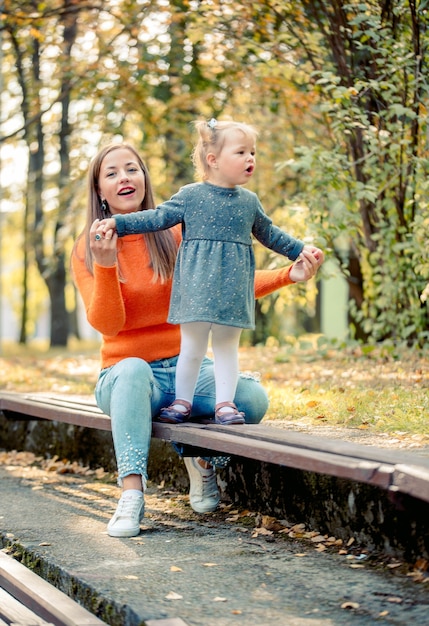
column 41, row 597
column 412, row 480
column 83, row 409
column 258, row 442
column 39, row 407
column 335, row 446
column 14, row 612
column 233, row 443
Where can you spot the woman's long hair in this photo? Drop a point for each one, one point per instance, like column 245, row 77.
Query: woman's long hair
column 161, row 245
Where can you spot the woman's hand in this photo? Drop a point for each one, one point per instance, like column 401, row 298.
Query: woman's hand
column 307, row 265
column 103, row 245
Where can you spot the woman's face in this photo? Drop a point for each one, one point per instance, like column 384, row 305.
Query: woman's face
column 121, row 182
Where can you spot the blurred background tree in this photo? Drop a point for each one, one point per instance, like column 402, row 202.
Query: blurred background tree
column 337, row 90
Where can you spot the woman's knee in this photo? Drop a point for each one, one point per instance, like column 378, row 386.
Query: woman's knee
column 132, row 372
column 252, row 399
column 129, row 379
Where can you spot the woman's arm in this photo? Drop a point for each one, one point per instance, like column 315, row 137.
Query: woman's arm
column 101, row 291
column 267, row 281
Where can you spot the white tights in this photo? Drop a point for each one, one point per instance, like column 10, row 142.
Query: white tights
column 194, row 342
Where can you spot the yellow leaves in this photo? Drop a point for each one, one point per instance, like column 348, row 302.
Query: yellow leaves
column 173, row 568
column 312, row 403
column 55, row 465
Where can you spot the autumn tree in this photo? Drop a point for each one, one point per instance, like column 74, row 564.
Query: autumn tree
column 364, row 171
column 28, row 36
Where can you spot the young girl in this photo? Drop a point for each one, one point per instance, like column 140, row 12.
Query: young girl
column 213, row 283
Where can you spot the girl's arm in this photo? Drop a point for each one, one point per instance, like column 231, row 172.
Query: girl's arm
column 164, row 216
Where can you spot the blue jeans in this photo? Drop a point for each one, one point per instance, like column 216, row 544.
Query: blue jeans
column 132, row 392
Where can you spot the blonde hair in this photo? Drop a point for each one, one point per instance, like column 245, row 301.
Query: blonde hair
column 211, row 138
column 161, row 245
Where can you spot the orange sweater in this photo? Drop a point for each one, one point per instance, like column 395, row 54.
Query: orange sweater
column 131, row 316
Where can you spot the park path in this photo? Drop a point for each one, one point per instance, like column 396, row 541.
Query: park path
column 214, row 570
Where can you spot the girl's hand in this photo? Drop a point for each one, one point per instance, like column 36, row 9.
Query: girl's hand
column 103, row 243
column 109, row 223
column 307, row 264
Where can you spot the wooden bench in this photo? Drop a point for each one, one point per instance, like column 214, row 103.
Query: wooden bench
column 390, row 470
column 27, row 599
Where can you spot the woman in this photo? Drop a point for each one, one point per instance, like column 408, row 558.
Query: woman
column 125, row 285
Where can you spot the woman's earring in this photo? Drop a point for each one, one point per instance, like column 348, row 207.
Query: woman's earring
column 104, row 206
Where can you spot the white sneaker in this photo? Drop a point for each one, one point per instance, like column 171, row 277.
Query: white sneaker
column 204, row 492
column 129, row 513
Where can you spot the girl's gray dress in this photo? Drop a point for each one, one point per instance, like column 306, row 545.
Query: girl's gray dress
column 214, row 274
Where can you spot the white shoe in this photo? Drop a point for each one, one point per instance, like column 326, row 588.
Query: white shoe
column 204, row 493
column 129, row 513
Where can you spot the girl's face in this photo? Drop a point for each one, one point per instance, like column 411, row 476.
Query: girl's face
column 235, row 164
column 121, row 182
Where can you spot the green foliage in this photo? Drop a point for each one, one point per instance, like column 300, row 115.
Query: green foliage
column 367, row 186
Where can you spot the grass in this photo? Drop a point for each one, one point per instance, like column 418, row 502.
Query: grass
column 309, row 381
column 375, row 389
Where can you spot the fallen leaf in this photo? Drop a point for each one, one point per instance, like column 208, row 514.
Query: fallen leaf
column 422, row 565
column 45, row 543
column 173, row 596
column 219, row 599
column 321, row 548
column 131, row 577
column 271, row 523
column 210, row 564
column 383, row 614
column 173, row 568
column 395, row 600
column 236, row 612
column 261, row 531
column 297, row 528
column 351, row 541
column 356, row 566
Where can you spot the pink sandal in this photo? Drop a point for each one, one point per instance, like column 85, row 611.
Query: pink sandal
column 170, row 415
column 228, row 417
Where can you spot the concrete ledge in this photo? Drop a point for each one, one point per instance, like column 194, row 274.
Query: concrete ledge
column 388, row 522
